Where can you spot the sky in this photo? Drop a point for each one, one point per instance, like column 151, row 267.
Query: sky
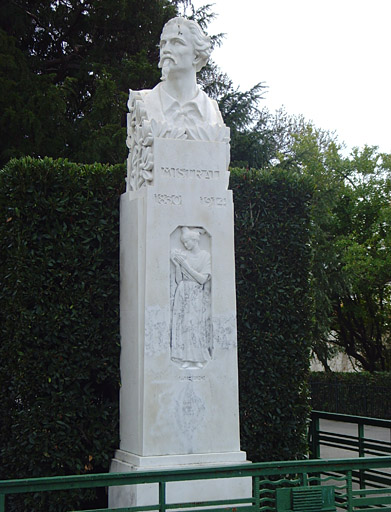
column 327, row 60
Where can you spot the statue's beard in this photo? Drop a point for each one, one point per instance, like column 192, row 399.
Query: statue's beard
column 166, row 64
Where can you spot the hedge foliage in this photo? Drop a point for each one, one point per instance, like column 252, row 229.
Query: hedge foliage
column 272, row 280
column 59, row 349
column 361, row 394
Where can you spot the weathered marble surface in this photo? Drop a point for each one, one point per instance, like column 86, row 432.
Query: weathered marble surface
column 166, row 407
column 179, row 392
column 147, row 494
column 176, row 108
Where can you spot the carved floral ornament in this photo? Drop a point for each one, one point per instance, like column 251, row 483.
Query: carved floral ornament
column 141, row 132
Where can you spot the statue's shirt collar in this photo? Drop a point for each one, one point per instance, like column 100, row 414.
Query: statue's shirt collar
column 181, row 113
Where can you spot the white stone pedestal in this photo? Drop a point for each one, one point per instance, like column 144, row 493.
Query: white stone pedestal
column 174, row 413
column 178, row 492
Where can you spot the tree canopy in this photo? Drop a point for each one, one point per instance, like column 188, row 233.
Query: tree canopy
column 67, row 67
column 361, row 322
column 351, row 267
column 65, row 71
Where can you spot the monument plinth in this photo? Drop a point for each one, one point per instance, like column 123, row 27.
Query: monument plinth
column 179, row 385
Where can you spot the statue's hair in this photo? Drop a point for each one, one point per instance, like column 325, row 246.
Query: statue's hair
column 202, row 42
column 190, row 233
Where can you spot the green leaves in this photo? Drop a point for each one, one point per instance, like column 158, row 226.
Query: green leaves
column 66, row 69
column 357, row 393
column 272, row 214
column 59, row 350
column 360, row 234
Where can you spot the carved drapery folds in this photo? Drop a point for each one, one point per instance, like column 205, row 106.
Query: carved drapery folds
column 191, row 337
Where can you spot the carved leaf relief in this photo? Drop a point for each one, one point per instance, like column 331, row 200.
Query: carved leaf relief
column 141, row 132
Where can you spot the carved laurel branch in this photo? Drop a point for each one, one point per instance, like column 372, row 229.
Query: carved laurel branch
column 140, row 135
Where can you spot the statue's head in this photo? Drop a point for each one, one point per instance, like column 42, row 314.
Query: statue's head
column 190, row 234
column 183, row 45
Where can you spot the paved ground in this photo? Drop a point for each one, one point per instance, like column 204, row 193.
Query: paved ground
column 326, row 452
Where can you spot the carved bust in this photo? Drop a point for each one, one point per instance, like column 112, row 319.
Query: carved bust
column 184, row 50
column 176, row 108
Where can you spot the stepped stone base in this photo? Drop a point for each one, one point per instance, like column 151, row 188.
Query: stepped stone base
column 178, row 492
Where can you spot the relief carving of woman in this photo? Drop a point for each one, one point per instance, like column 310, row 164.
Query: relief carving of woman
column 191, row 328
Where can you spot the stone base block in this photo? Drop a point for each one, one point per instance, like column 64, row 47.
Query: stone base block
column 178, row 492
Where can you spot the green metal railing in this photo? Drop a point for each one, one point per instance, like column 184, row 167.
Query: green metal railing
column 357, row 443
column 269, row 480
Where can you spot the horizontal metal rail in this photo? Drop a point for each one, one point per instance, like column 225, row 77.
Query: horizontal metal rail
column 359, row 443
column 347, row 418
column 266, row 479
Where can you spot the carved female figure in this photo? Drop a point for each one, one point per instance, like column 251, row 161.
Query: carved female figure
column 191, row 330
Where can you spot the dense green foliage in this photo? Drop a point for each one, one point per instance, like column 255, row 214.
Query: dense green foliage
column 272, row 279
column 65, row 71
column 362, row 394
column 362, row 240
column 350, row 240
column 66, row 68
column 59, row 347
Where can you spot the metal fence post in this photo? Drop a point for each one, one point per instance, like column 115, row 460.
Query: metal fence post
column 349, row 489
column 256, row 493
column 361, row 447
column 314, row 431
column 162, row 496
column 361, row 452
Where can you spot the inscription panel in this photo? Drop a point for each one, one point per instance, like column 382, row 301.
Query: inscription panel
column 168, row 199
column 213, row 201
column 182, row 173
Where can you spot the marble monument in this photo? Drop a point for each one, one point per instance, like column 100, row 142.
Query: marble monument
column 179, row 384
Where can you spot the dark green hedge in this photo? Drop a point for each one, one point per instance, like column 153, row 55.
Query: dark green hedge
column 272, row 280
column 59, row 347
column 361, row 394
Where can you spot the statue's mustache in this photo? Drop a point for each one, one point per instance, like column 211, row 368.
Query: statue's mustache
column 166, row 56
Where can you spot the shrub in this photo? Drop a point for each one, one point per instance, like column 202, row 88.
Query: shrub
column 361, row 394
column 59, row 348
column 272, row 280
